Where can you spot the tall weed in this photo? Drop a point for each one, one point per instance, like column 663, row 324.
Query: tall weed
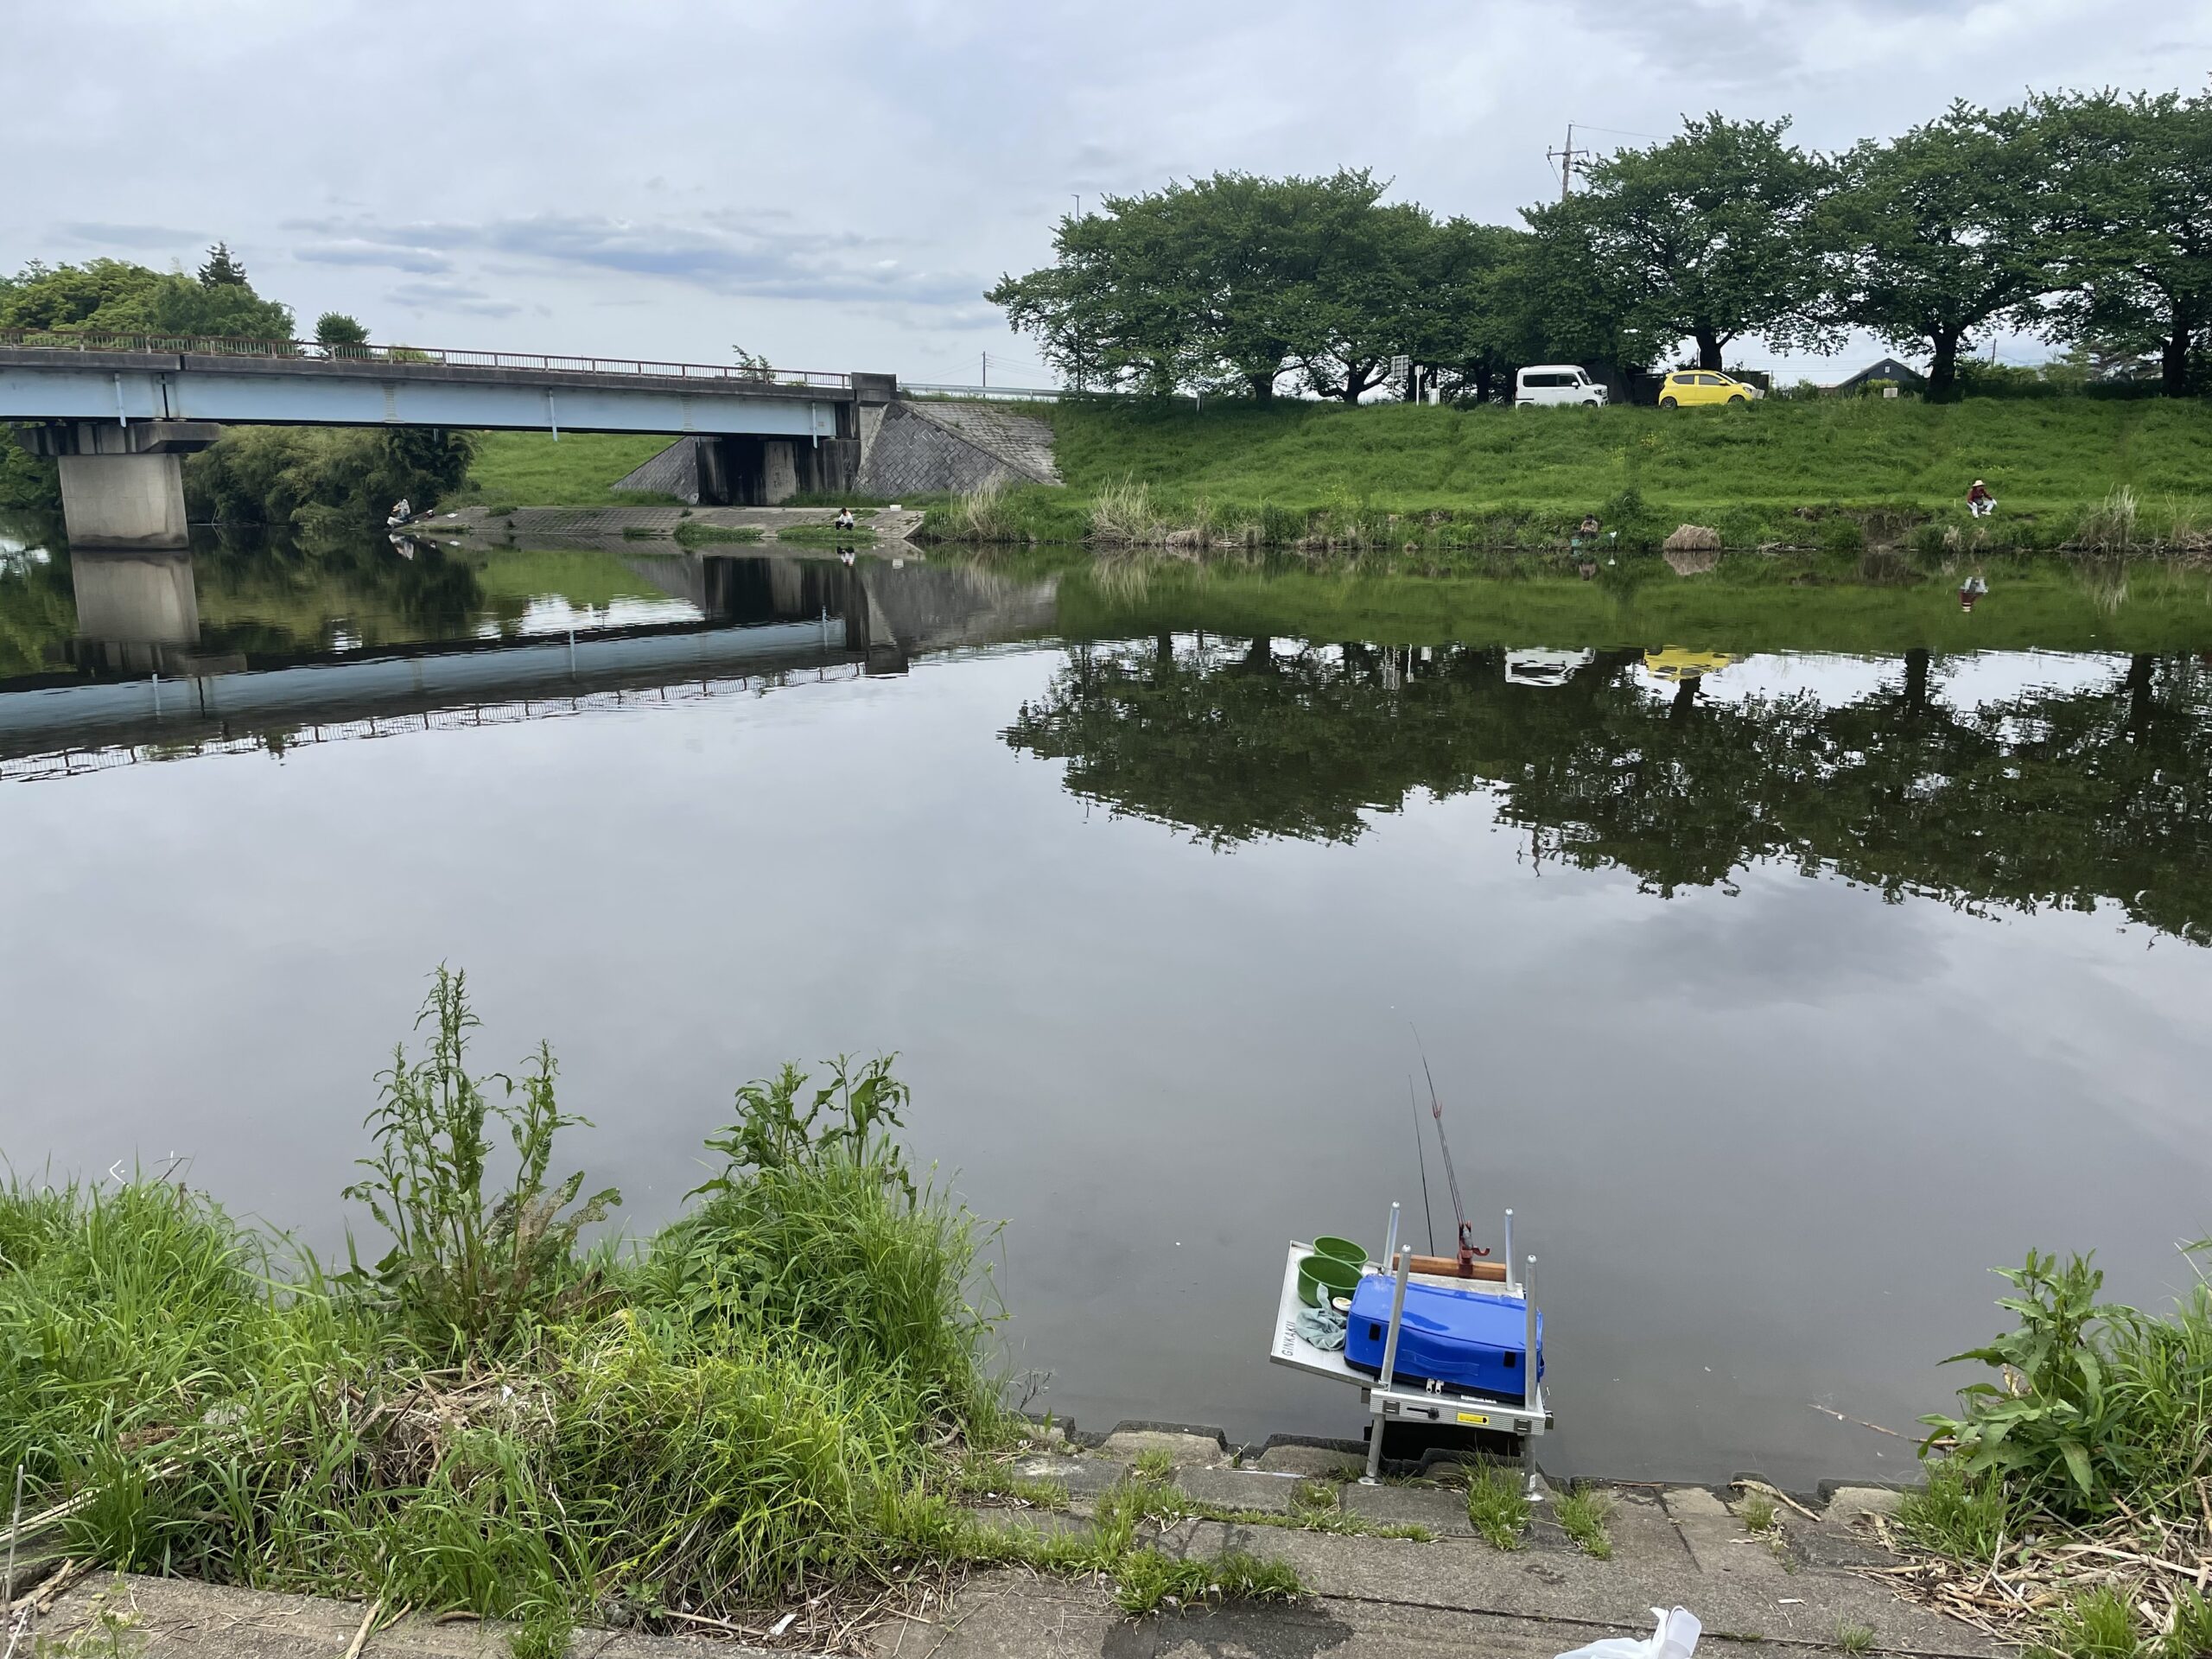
column 470, row 1269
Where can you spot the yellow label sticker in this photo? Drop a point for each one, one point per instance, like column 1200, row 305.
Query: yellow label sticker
column 1475, row 1418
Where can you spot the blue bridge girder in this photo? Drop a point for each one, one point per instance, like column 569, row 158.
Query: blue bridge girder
column 44, row 383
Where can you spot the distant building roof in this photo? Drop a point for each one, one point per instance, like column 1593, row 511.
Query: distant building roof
column 1887, row 369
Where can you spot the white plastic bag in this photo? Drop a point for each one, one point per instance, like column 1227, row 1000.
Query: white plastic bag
column 1675, row 1638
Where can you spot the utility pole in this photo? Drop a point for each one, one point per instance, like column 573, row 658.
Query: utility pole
column 987, row 370
column 1565, row 160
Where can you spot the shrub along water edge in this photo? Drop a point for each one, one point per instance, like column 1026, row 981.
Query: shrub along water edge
column 2080, row 1481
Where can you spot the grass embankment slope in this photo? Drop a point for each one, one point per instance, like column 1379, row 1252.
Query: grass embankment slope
column 1505, row 476
column 778, row 1397
column 535, row 469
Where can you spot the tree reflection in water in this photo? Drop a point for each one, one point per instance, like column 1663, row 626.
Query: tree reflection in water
column 2058, row 798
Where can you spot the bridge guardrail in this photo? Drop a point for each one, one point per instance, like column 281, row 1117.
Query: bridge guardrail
column 78, row 340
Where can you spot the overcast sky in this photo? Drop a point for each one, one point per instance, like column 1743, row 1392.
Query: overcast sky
column 834, row 184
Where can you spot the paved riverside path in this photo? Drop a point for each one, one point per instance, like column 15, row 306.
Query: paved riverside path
column 1456, row 1597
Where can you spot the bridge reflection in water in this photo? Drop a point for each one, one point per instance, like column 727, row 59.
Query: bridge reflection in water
column 143, row 678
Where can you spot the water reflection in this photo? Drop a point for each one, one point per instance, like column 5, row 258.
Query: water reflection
column 269, row 641
column 2095, row 789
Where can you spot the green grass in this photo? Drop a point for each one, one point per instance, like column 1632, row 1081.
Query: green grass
column 1155, row 1463
column 2034, row 455
column 696, row 534
column 1498, row 1504
column 1854, row 1638
column 1820, row 475
column 532, row 469
column 1583, row 1512
column 1755, row 1510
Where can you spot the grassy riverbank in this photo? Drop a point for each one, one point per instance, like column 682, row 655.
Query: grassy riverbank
column 778, row 1396
column 1832, row 474
column 1827, row 473
column 2071, row 1502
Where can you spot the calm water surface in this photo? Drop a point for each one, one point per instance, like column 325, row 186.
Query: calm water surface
column 1782, row 994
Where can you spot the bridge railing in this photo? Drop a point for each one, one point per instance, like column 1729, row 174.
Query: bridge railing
column 80, row 340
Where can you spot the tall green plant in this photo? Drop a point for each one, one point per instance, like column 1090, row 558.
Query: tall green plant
column 470, row 1267
column 2055, row 1420
column 847, row 1120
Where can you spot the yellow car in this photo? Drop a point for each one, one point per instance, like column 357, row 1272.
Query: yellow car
column 1676, row 664
column 1688, row 386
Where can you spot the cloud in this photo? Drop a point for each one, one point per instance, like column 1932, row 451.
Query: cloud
column 155, row 237
column 357, row 251
column 439, row 295
column 729, row 252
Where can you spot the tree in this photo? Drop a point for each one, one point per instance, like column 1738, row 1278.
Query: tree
column 1224, row 283
column 1947, row 229
column 113, row 294
column 1558, row 302
column 222, row 269
column 1710, row 234
column 1463, row 340
column 1372, row 297
column 2136, row 215
column 336, row 328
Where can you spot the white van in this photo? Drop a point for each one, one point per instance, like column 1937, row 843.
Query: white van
column 1556, row 383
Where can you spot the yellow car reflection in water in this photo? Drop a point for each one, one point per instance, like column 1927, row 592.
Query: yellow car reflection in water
column 1676, row 665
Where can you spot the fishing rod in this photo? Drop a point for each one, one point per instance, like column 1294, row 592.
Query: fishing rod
column 1468, row 1250
column 1421, row 1153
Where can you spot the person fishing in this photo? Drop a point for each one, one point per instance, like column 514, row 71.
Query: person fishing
column 845, row 519
column 401, row 511
column 1980, row 501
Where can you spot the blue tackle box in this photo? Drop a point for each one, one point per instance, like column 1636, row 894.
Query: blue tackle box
column 1462, row 1338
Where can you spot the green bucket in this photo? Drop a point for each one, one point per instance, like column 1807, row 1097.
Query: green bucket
column 1342, row 1248
column 1317, row 1273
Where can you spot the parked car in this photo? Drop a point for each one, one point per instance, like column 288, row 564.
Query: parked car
column 1687, row 386
column 1542, row 667
column 1543, row 384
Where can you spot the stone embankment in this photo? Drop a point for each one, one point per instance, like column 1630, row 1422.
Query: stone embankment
column 555, row 526
column 1810, row 1582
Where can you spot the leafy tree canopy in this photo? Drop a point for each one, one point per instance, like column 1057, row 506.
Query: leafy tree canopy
column 336, row 328
column 125, row 298
column 1951, row 229
column 1710, row 235
column 2134, row 221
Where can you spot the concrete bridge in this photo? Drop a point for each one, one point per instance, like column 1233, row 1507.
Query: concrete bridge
column 119, row 411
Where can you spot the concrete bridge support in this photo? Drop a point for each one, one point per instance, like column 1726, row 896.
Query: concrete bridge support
column 123, row 487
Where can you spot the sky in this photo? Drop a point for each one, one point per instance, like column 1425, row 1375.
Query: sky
column 834, row 186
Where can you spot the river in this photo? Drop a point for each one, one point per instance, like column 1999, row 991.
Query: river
column 1782, row 989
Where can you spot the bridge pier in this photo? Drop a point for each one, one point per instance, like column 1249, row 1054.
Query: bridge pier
column 123, row 486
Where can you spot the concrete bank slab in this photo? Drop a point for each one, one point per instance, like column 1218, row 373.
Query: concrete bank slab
column 1470, row 1576
column 1441, row 1508
column 174, row 1618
